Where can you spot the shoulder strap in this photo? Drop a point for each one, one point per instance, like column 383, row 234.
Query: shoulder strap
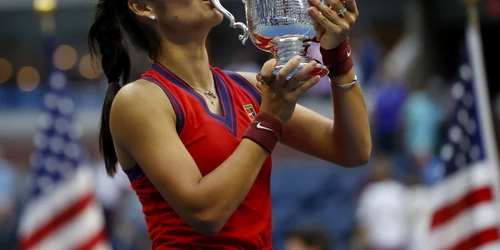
column 179, row 121
column 246, row 85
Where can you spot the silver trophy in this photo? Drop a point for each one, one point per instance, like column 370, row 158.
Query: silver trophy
column 281, row 27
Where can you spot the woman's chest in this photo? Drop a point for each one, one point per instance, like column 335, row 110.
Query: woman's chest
column 212, row 140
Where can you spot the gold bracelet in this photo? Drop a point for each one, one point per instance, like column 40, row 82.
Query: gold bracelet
column 345, row 85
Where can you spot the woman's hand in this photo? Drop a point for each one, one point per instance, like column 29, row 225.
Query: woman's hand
column 279, row 95
column 333, row 24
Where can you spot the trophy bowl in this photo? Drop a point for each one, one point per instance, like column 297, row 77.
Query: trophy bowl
column 281, row 27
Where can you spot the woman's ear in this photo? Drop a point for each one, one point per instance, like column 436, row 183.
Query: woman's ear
column 142, row 9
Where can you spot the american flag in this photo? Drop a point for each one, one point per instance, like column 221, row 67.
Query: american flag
column 465, row 212
column 61, row 210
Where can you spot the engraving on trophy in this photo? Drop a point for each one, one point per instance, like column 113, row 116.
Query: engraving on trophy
column 281, row 27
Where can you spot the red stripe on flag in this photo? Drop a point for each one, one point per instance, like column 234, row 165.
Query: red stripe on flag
column 94, row 241
column 470, row 200
column 480, row 238
column 57, row 221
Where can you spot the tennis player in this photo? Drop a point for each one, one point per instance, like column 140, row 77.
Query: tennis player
column 196, row 141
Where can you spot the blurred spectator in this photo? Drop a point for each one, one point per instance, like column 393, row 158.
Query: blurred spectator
column 111, row 192
column 370, row 55
column 390, row 95
column 382, row 212
column 8, row 203
column 420, row 209
column 133, row 227
column 423, row 113
column 496, row 110
column 307, row 240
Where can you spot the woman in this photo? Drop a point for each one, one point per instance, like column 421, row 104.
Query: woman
column 195, row 140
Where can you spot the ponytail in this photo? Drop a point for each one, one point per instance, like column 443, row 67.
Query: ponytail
column 105, row 37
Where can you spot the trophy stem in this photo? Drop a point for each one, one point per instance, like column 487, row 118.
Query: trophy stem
column 285, row 48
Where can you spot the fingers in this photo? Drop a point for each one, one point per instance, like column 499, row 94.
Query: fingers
column 299, row 77
column 323, row 20
column 267, row 71
column 332, row 13
column 324, row 14
column 351, row 6
column 289, row 67
column 259, row 86
column 320, row 31
column 352, row 11
column 280, row 84
column 306, row 86
column 336, row 5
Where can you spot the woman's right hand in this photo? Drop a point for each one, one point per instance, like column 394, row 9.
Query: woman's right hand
column 279, row 95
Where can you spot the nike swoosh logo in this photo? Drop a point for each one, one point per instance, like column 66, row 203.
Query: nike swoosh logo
column 264, row 128
column 349, row 53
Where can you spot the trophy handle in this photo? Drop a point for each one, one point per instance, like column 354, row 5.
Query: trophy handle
column 232, row 22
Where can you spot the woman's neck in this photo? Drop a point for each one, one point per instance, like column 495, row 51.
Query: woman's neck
column 188, row 61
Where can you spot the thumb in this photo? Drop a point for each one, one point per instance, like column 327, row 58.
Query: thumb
column 320, row 30
column 259, row 86
column 267, row 71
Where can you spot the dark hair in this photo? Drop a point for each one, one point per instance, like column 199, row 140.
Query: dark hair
column 311, row 238
column 106, row 38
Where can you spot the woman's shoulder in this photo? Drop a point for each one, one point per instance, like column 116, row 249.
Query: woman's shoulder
column 139, row 90
column 137, row 106
column 140, row 96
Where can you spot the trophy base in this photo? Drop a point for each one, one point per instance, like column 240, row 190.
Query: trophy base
column 320, row 70
column 286, row 47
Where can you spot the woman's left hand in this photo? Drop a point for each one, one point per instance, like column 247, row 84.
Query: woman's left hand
column 333, row 24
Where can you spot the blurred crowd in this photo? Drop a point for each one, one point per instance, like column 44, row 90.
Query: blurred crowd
column 381, row 206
